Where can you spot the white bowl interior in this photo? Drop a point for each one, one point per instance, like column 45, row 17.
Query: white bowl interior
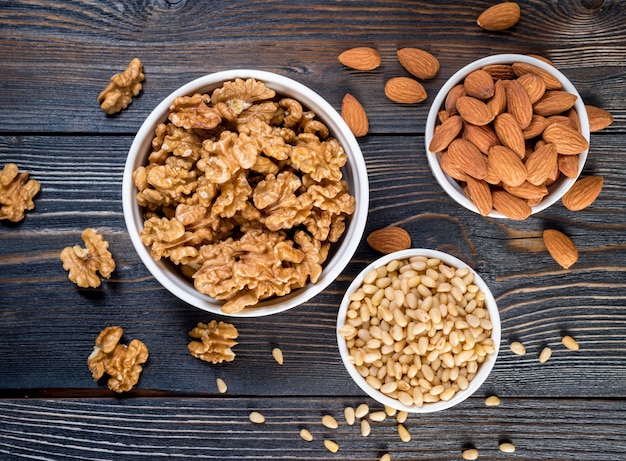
column 450, row 185
column 355, row 173
column 484, row 369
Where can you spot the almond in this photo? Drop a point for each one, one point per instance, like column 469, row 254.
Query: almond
column 583, row 193
column 479, row 84
column 521, row 68
column 568, row 165
column 599, row 118
column 573, row 116
column 389, row 240
column 499, row 17
column 528, row 191
column 482, row 137
column 554, row 102
column 497, row 103
column 445, row 133
column 360, row 58
column 534, row 86
column 507, row 165
column 568, row 141
column 455, row 93
column 510, row 133
column 560, row 247
column 474, row 110
column 405, row 90
column 541, row 163
column 500, row 71
column 479, row 192
column 354, row 115
column 419, row 63
column 450, row 168
column 538, row 123
column 510, row 206
column 467, row 156
column 518, row 103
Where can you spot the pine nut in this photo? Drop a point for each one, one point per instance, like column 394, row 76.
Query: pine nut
column 366, row 429
column 390, row 411
column 257, row 418
column 404, row 434
column 378, row 416
column 470, row 454
column 330, row 422
column 278, row 355
column 570, row 343
column 517, row 348
column 385, row 457
column 349, row 415
column 507, row 447
column 221, row 385
column 402, row 417
column 545, row 354
column 492, row 400
column 331, row 446
column 306, row 435
column 362, row 411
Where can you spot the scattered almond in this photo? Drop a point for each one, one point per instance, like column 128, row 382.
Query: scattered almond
column 354, row 115
column 405, row 90
column 599, row 118
column 561, row 247
column 389, row 240
column 583, row 193
column 419, row 63
column 360, row 58
column 499, row 17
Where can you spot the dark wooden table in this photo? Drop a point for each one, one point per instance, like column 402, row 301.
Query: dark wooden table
column 55, row 57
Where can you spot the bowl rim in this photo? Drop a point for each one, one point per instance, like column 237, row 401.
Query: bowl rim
column 355, row 172
column 484, row 369
column 454, row 190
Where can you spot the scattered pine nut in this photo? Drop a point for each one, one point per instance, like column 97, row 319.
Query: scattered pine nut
column 221, row 385
column 517, row 348
column 402, row 417
column 306, row 435
column 385, row 457
column 492, row 400
column 570, row 343
column 366, row 429
column 390, row 410
column 545, row 354
column 278, row 355
column 507, row 447
column 404, row 434
column 470, row 454
column 349, row 415
column 331, row 446
column 362, row 410
column 329, row 422
column 257, row 418
column 378, row 416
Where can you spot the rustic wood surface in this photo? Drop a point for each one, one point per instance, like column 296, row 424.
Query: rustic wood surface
column 55, row 57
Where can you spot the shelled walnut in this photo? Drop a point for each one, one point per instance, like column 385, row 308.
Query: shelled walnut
column 122, row 87
column 83, row 264
column 122, row 363
column 16, row 193
column 216, row 341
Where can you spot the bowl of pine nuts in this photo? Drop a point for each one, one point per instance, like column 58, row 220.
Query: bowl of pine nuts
column 418, row 330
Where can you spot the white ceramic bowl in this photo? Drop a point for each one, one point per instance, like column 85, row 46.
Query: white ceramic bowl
column 354, row 172
column 450, row 185
column 484, row 368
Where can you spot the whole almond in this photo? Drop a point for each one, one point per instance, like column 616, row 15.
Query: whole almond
column 560, row 247
column 405, row 90
column 497, row 103
column 552, row 83
column 479, row 84
column 479, row 193
column 554, row 102
column 451, row 168
column 534, row 86
column 389, row 240
column 419, row 63
column 538, row 123
column 500, row 71
column 507, row 165
column 568, row 165
column 541, row 163
column 474, row 110
column 482, row 137
column 583, row 193
column 527, row 191
column 500, row 17
column 360, row 58
column 510, row 133
column 510, row 206
column 467, row 156
column 354, row 115
column 518, row 103
column 568, row 141
column 445, row 133
column 453, row 95
column 599, row 118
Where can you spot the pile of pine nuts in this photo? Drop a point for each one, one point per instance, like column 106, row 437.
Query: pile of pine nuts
column 417, row 330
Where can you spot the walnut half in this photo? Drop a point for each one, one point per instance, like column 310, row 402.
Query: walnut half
column 122, row 87
column 216, row 341
column 16, row 193
column 84, row 263
column 122, row 363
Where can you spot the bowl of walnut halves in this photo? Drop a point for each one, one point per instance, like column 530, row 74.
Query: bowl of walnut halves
column 245, row 193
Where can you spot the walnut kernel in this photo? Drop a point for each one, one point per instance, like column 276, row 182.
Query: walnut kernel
column 122, row 87
column 216, row 341
column 16, row 193
column 84, row 263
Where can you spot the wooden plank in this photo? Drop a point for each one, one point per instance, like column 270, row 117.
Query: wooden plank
column 68, row 54
column 219, row 428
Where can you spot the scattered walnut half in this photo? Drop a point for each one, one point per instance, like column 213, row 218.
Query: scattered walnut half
column 83, row 263
column 216, row 341
column 122, row 87
column 16, row 193
column 122, row 363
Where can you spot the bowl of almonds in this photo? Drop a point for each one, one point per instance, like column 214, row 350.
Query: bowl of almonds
column 507, row 136
column 418, row 330
column 245, row 193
